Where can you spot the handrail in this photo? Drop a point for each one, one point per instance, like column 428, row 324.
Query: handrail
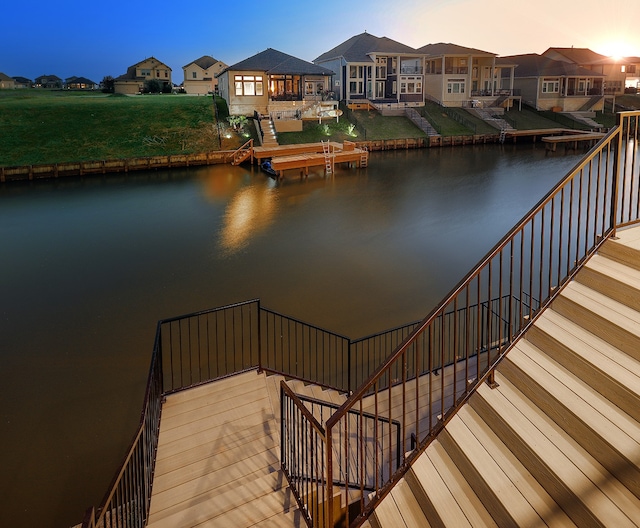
column 460, row 340
column 241, row 152
column 302, row 430
column 538, row 256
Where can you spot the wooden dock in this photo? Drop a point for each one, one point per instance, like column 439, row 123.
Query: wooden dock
column 572, row 140
column 308, row 155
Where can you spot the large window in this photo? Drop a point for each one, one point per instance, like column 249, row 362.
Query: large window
column 456, row 86
column 410, row 85
column 248, row 85
column 550, row 86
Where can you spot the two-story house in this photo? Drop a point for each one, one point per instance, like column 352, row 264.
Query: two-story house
column 272, row 81
column 51, row 82
column 613, row 69
column 134, row 80
column 200, row 75
column 548, row 84
column 460, row 76
column 378, row 69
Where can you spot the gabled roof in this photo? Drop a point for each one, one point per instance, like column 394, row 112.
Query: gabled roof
column 578, row 55
column 205, row 62
column 131, row 70
column 445, row 48
column 274, row 62
column 79, row 80
column 22, row 80
column 4, row 77
column 534, row 65
column 359, row 48
column 48, row 78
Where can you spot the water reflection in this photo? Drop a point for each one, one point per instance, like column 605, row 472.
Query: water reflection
column 89, row 266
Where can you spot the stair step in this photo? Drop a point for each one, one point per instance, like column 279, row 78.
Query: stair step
column 610, row 320
column 613, row 279
column 399, row 509
column 626, row 249
column 578, row 483
column 608, row 434
column 507, row 489
column 608, row 370
column 443, row 493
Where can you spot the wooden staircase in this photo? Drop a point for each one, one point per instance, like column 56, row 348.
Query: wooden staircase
column 557, row 442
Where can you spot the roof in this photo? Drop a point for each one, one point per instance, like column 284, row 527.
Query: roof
column 4, row 77
column 579, row 55
column 274, row 62
column 534, row 65
column 131, row 70
column 79, row 80
column 205, row 62
column 22, row 80
column 445, row 48
column 359, row 48
column 48, row 77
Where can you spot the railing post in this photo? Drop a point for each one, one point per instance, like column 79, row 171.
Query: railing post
column 349, row 384
column 327, row 519
column 259, row 337
column 616, row 176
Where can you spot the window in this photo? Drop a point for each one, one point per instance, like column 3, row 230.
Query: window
column 145, row 73
column 194, row 75
column 381, row 67
column 248, row 85
column 411, row 85
column 356, row 72
column 550, row 86
column 456, row 86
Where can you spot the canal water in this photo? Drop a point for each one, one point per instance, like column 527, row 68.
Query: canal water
column 88, row 266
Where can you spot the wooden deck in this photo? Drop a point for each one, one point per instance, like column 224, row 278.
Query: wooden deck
column 572, row 140
column 556, row 443
column 304, row 156
column 218, row 459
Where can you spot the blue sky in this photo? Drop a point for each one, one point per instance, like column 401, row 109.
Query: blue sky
column 95, row 39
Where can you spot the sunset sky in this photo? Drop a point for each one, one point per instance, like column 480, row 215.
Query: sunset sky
column 95, row 39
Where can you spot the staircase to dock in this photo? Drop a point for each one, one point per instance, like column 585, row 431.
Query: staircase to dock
column 557, row 442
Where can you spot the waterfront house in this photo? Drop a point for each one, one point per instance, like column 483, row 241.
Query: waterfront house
column 273, row 82
column 22, row 82
column 614, row 69
column 200, row 75
column 80, row 83
column 376, row 69
column 459, row 76
column 6, row 82
column 133, row 81
column 48, row 81
column 561, row 86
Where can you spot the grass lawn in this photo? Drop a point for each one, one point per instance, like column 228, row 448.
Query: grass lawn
column 52, row 127
column 313, row 132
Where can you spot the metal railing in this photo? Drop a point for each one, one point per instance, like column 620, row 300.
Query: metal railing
column 304, row 442
column 429, row 367
column 127, row 502
column 539, row 255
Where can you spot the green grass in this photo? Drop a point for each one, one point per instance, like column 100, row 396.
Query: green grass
column 53, row 127
column 313, row 132
column 364, row 125
column 527, row 119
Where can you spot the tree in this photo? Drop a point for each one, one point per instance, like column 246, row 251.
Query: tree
column 152, row 86
column 108, row 84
